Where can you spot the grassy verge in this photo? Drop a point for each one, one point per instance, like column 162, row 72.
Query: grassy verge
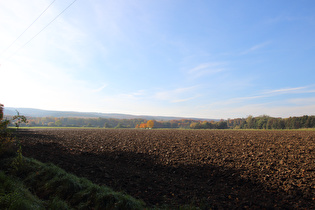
column 14, row 195
column 36, row 185
column 52, row 188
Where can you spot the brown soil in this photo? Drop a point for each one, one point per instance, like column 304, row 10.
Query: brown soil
column 218, row 168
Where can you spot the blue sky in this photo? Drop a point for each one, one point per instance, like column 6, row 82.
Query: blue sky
column 209, row 59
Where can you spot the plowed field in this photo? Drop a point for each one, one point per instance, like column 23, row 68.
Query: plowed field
column 218, row 168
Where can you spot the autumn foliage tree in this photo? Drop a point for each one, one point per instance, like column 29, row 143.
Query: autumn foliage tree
column 143, row 125
column 150, row 124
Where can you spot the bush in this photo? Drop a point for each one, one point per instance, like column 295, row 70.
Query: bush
column 7, row 145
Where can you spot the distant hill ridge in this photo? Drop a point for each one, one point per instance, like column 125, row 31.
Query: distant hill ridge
column 30, row 112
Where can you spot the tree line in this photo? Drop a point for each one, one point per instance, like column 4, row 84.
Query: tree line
column 267, row 122
column 81, row 122
column 260, row 122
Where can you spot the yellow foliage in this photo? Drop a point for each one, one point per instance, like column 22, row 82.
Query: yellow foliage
column 150, row 124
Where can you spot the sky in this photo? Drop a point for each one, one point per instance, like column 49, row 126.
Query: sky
column 213, row 59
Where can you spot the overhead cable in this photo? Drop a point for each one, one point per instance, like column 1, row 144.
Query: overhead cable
column 28, row 27
column 43, row 28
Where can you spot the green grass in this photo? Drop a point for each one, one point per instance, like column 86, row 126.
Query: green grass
column 305, row 129
column 14, row 195
column 56, row 189
column 36, row 185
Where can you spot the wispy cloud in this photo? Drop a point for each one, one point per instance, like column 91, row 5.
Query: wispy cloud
column 265, row 94
column 134, row 95
column 100, row 88
column 207, row 69
column 271, row 109
column 185, row 99
column 285, row 90
column 255, row 48
column 177, row 95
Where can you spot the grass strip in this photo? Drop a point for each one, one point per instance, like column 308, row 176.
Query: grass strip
column 14, row 195
column 53, row 188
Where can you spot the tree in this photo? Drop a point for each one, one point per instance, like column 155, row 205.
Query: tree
column 119, row 125
column 206, row 125
column 1, row 112
column 250, row 121
column 51, row 124
column 143, row 125
column 221, row 125
column 3, row 123
column 262, row 122
column 107, row 125
column 58, row 123
column 18, row 119
column 150, row 124
column 195, row 125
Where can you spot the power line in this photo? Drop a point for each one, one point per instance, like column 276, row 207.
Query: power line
column 28, row 27
column 43, row 28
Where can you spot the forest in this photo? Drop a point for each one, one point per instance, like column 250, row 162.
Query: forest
column 260, row 122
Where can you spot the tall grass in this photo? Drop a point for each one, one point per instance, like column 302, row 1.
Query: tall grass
column 55, row 187
column 14, row 195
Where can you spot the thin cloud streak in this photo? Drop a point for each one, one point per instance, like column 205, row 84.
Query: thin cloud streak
column 261, row 109
column 185, row 99
column 100, row 88
column 206, row 69
column 134, row 95
column 255, row 48
column 267, row 94
column 204, row 66
column 286, row 90
column 174, row 95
